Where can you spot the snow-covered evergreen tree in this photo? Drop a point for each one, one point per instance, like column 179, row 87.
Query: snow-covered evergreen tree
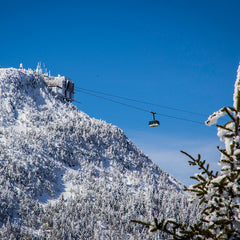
column 218, row 194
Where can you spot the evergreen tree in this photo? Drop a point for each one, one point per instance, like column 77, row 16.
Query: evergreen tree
column 217, row 194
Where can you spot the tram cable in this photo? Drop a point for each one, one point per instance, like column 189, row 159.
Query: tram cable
column 144, row 102
column 77, row 101
column 138, row 108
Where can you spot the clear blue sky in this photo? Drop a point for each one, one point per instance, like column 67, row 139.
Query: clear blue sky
column 182, row 54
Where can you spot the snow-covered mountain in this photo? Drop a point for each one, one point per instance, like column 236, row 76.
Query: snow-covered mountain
column 64, row 175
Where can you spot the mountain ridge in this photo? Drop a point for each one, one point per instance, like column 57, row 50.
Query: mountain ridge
column 55, row 159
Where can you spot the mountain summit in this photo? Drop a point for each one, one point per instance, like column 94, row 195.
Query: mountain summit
column 65, row 175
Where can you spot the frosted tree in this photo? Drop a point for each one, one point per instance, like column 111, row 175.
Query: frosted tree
column 41, row 69
column 218, row 195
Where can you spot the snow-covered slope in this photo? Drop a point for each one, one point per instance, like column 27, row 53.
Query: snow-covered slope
column 64, row 175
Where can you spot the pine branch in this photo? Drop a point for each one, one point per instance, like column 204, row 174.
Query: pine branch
column 146, row 224
column 223, row 127
column 229, row 113
column 194, row 162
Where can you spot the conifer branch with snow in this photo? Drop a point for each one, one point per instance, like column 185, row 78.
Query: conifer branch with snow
column 217, row 194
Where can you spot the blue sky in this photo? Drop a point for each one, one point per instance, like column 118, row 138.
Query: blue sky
column 181, row 54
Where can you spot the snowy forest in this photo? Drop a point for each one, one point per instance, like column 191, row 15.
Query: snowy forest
column 65, row 175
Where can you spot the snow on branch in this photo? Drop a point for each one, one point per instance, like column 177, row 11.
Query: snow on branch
column 236, row 95
column 212, row 119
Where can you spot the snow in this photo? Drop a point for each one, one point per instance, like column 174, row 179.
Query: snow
column 236, row 89
column 68, row 167
column 212, row 119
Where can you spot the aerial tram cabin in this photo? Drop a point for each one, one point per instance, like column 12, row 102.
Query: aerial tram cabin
column 154, row 122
